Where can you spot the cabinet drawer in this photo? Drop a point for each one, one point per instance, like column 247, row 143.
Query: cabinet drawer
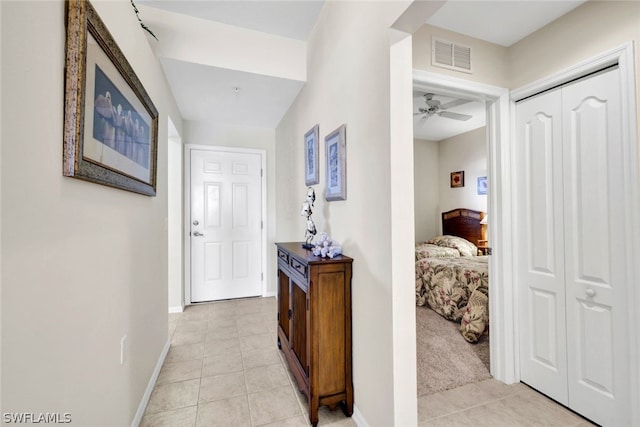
column 283, row 256
column 298, row 266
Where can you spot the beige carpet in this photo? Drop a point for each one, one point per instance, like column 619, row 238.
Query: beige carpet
column 444, row 359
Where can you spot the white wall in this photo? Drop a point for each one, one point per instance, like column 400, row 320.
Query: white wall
column 466, row 152
column 83, row 264
column 426, row 172
column 175, row 271
column 489, row 61
column 246, row 137
column 588, row 30
column 348, row 61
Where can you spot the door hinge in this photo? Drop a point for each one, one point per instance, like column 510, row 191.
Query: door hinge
column 261, row 225
column 307, row 304
column 261, row 173
column 262, row 276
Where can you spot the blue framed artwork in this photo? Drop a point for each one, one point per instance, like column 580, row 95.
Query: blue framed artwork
column 110, row 123
column 482, row 185
column 336, row 143
column 312, row 173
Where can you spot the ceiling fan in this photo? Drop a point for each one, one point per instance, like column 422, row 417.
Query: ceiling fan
column 436, row 107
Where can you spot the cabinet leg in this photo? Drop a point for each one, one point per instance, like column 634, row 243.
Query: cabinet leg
column 347, row 408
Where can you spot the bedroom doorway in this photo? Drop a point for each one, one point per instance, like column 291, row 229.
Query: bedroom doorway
column 450, row 199
column 459, row 169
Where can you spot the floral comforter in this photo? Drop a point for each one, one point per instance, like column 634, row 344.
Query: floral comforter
column 458, row 290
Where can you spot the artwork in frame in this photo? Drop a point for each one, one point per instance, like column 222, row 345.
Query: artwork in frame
column 336, row 147
column 312, row 173
column 110, row 122
column 482, row 185
column 457, row 179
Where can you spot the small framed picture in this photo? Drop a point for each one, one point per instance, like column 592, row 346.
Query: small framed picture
column 312, row 173
column 482, row 185
column 336, row 150
column 457, row 179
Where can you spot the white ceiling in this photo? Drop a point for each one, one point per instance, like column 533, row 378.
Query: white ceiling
column 206, row 93
column 500, row 22
column 292, row 19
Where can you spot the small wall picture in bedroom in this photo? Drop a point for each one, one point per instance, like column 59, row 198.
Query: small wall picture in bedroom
column 336, row 151
column 312, row 173
column 457, row 179
column 482, row 185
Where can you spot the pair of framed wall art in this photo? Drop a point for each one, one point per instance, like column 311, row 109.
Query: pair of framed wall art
column 336, row 161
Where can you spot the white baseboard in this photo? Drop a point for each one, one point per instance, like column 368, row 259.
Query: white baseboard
column 269, row 294
column 358, row 418
column 152, row 382
column 176, row 309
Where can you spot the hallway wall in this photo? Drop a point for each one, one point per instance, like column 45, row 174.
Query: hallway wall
column 83, row 264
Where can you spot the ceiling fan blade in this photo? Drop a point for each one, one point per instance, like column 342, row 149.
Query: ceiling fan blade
column 454, row 103
column 455, row 116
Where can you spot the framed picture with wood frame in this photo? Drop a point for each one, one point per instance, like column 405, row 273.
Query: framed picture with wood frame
column 110, row 123
column 457, row 179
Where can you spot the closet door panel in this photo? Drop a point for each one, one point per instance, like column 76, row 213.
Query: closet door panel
column 595, row 249
column 540, row 260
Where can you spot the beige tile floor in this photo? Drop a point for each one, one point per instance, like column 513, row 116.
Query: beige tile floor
column 224, row 369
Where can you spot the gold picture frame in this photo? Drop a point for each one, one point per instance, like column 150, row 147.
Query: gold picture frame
column 110, row 122
column 457, row 179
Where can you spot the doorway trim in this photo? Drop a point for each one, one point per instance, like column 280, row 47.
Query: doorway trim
column 501, row 292
column 187, row 210
column 623, row 56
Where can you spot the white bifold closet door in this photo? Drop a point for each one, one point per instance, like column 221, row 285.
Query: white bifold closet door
column 571, row 261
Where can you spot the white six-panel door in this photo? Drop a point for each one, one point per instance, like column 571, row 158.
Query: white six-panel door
column 572, row 268
column 226, row 221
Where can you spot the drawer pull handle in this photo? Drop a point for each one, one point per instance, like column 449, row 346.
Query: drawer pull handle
column 590, row 293
column 290, row 313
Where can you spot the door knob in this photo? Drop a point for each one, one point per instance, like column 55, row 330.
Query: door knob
column 590, row 292
column 197, row 234
column 195, row 222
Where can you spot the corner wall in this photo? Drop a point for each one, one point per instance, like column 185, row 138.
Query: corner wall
column 348, row 82
column 83, row 264
column 426, row 189
column 466, row 152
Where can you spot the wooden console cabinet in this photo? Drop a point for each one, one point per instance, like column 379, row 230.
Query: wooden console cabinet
column 314, row 325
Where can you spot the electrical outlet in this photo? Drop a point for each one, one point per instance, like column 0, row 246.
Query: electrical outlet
column 122, row 342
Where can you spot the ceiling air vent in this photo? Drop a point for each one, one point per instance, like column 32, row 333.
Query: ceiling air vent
column 453, row 56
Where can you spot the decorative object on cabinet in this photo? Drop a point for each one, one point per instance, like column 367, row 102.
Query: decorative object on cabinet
column 325, row 246
column 482, row 185
column 110, row 123
column 314, row 325
column 312, row 171
column 457, row 179
column 307, row 211
column 336, row 151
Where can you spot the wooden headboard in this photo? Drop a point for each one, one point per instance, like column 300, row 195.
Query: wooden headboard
column 463, row 223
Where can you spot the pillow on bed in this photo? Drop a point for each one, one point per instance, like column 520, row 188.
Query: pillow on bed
column 465, row 247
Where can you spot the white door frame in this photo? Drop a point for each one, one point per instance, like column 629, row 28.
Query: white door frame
column 624, row 57
column 187, row 210
column 503, row 344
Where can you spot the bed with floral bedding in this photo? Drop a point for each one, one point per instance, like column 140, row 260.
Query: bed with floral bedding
column 458, row 290
column 451, row 278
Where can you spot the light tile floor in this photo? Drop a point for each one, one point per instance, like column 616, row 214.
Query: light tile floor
column 224, row 369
